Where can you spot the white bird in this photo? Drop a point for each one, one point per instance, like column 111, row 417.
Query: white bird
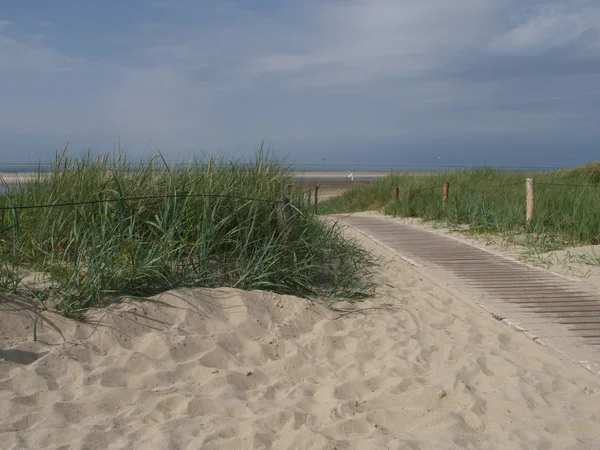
column 351, row 176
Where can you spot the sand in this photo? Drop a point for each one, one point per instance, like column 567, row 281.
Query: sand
column 341, row 175
column 418, row 366
column 23, row 177
column 14, row 178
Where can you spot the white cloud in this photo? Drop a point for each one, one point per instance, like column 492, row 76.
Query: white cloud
column 31, row 54
column 308, row 69
column 549, row 28
column 356, row 41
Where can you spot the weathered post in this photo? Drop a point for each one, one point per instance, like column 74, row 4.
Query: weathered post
column 316, row 200
column 284, row 212
column 530, row 199
column 445, row 194
column 396, row 194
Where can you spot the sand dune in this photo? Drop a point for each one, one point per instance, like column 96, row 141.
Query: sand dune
column 419, row 367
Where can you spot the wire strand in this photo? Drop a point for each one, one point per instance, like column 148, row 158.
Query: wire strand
column 567, row 184
column 4, row 230
column 234, row 197
column 479, row 186
column 148, row 197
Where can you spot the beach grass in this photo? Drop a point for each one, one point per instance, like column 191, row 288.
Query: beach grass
column 115, row 232
column 567, row 202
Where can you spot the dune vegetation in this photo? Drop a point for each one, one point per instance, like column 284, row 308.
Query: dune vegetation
column 567, row 202
column 100, row 230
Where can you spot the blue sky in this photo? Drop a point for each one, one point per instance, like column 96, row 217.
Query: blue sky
column 499, row 82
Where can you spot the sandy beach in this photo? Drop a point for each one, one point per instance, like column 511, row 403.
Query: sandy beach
column 13, row 178
column 342, row 176
column 418, row 366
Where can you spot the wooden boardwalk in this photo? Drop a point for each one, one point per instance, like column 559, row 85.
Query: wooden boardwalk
column 555, row 311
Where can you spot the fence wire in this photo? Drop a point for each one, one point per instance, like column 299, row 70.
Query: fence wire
column 484, row 186
column 263, row 200
column 147, row 197
column 541, row 183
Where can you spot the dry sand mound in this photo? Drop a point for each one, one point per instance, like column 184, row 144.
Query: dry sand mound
column 419, row 367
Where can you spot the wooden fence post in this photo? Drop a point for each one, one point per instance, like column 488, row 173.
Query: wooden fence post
column 396, row 194
column 284, row 212
column 445, row 194
column 316, row 199
column 530, row 200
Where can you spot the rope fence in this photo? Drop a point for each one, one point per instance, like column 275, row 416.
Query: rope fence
column 529, row 191
column 284, row 205
column 485, row 186
column 148, row 197
column 313, row 192
column 312, row 195
column 568, row 185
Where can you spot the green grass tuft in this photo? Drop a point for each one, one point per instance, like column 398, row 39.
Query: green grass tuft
column 567, row 202
column 166, row 236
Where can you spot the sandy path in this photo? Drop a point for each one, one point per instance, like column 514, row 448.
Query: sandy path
column 420, row 367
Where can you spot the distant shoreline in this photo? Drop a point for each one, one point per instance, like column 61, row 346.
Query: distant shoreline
column 24, row 177
column 339, row 175
column 14, row 178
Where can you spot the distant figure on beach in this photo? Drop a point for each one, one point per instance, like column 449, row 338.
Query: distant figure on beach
column 351, row 176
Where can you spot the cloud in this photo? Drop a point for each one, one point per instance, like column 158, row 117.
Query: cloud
column 553, row 27
column 30, row 54
column 354, row 42
column 222, row 73
column 332, row 38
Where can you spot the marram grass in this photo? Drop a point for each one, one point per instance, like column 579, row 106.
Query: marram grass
column 148, row 230
column 567, row 202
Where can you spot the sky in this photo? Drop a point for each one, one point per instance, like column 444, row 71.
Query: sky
column 378, row 82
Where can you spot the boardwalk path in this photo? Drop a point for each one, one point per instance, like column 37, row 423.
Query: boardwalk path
column 557, row 312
